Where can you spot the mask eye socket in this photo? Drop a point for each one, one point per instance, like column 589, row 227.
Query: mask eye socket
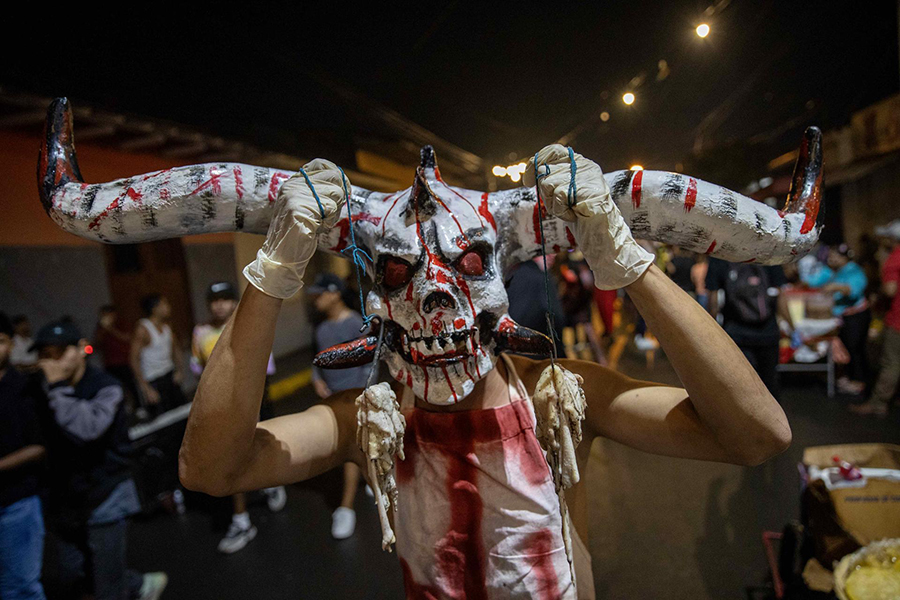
column 396, row 273
column 471, row 263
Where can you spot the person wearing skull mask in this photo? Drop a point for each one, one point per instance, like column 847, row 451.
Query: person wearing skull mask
column 477, row 514
column 727, row 414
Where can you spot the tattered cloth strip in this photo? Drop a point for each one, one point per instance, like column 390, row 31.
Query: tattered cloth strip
column 559, row 410
column 379, row 433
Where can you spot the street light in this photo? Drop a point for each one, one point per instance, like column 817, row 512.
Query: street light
column 604, row 116
column 628, row 98
column 636, row 168
column 499, row 171
column 703, row 30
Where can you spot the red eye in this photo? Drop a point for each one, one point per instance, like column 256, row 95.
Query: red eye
column 396, row 273
column 470, row 263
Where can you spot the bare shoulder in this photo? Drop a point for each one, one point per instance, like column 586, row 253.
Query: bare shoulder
column 595, row 377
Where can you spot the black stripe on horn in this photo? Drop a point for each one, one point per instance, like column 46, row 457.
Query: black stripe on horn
column 57, row 163
column 806, row 184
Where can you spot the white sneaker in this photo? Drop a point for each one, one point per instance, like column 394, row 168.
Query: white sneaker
column 277, row 498
column 236, row 538
column 343, row 523
column 644, row 344
column 153, row 585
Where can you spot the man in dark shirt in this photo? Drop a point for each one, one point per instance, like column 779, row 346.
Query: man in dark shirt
column 92, row 493
column 528, row 298
column 340, row 324
column 21, row 453
column 752, row 302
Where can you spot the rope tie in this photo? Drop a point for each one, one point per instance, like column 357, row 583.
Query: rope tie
column 357, row 254
column 571, row 198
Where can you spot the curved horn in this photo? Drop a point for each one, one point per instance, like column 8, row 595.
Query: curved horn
column 703, row 217
column 687, row 212
column 205, row 198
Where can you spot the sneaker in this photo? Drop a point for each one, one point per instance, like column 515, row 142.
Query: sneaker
column 369, row 491
column 153, row 585
column 645, row 343
column 277, row 498
column 343, row 523
column 236, row 538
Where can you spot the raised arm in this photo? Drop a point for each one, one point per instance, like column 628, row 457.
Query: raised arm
column 724, row 412
column 225, row 450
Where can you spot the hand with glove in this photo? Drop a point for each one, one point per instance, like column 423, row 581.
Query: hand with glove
column 291, row 241
column 602, row 235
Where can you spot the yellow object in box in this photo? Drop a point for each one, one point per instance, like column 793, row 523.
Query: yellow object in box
column 872, row 573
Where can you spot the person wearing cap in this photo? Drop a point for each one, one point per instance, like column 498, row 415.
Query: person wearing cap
column 885, row 386
column 156, row 356
column 221, row 300
column 847, row 281
column 92, row 493
column 22, row 452
column 340, row 324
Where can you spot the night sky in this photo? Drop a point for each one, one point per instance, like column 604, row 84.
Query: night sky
column 492, row 78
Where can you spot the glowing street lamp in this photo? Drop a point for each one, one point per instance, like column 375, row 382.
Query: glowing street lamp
column 514, row 172
column 636, row 168
column 702, row 30
column 628, row 98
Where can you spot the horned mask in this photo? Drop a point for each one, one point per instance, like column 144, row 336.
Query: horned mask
column 440, row 254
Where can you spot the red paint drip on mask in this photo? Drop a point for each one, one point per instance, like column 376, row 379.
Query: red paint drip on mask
column 466, row 200
column 450, row 383
column 571, row 238
column 539, row 213
column 409, row 292
column 636, row 188
column 711, row 247
column 436, row 324
column 459, row 323
column 485, row 211
column 690, row 198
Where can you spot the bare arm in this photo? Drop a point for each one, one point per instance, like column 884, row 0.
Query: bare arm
column 225, row 450
column 725, row 413
column 21, row 457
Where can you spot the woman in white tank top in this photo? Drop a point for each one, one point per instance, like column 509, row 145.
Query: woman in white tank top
column 155, row 356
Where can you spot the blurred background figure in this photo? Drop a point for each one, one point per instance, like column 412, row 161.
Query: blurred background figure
column 679, row 270
column 339, row 324
column 752, row 304
column 847, row 281
column 889, row 370
column 698, row 277
column 21, row 454
column 528, row 298
column 114, row 344
column 221, row 301
column 156, row 357
column 22, row 356
column 577, row 303
column 92, row 494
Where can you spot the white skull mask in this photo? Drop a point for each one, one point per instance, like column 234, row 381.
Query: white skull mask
column 438, row 285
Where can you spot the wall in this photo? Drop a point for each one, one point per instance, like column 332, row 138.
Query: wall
column 871, row 200
column 207, row 263
column 46, row 283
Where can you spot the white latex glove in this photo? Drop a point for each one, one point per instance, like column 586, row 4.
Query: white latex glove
column 291, row 240
column 602, row 235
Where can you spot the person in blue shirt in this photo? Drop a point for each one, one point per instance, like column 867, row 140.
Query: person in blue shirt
column 847, row 281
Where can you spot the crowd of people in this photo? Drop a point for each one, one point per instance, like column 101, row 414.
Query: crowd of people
column 65, row 453
column 848, row 298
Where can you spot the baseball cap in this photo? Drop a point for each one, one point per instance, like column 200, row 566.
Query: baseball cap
column 326, row 282
column 891, row 230
column 221, row 290
column 57, row 333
